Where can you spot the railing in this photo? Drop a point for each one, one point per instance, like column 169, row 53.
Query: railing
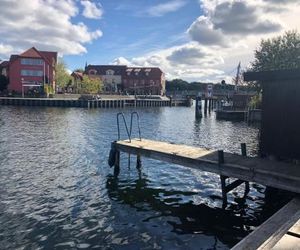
column 129, row 132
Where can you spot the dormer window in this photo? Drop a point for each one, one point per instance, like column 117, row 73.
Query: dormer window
column 147, row 72
column 92, row 72
column 136, row 71
column 110, row 72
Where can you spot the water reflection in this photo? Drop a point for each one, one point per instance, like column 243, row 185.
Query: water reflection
column 223, row 225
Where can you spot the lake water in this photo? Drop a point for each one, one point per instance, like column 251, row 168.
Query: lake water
column 58, row 192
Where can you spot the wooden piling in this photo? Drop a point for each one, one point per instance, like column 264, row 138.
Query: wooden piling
column 198, row 107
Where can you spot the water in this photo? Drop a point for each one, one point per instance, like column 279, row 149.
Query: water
column 57, row 191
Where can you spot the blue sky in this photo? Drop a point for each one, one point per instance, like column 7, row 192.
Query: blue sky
column 195, row 40
column 129, row 31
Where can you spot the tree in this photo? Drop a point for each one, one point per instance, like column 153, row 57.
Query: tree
column 62, row 75
column 282, row 52
column 91, row 85
column 3, row 82
column 81, row 70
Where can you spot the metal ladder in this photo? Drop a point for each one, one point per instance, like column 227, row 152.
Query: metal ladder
column 129, row 131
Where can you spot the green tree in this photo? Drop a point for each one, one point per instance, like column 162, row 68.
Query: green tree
column 62, row 75
column 282, row 52
column 3, row 82
column 81, row 70
column 91, row 85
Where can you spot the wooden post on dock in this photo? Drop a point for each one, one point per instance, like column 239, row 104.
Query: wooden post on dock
column 222, row 177
column 244, row 153
column 205, row 106
column 198, row 107
column 117, row 163
column 138, row 162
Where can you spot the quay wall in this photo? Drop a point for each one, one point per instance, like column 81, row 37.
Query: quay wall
column 105, row 103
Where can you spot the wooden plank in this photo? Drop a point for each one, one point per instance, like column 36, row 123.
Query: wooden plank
column 287, row 242
column 270, row 173
column 296, row 228
column 271, row 231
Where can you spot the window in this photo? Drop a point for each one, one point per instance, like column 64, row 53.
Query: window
column 25, row 72
column 110, row 72
column 31, row 61
column 92, row 72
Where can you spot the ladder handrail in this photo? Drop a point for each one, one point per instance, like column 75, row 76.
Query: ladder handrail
column 118, row 123
column 138, row 123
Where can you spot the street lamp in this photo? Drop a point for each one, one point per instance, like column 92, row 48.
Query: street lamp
column 22, row 81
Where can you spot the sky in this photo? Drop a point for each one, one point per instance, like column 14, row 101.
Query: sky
column 195, row 40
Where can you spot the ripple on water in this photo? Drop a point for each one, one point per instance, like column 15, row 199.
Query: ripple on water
column 58, row 192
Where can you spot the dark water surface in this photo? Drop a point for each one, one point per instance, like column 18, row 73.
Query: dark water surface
column 57, row 191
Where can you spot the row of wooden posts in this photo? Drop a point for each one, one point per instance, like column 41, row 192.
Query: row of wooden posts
column 209, row 105
column 113, row 103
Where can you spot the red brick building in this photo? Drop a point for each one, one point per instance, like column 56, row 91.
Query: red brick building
column 131, row 80
column 31, row 69
column 144, row 81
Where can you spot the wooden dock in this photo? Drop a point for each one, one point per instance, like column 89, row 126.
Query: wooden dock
column 281, row 231
column 266, row 172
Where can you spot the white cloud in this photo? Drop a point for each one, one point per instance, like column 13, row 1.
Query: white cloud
column 164, row 8
column 45, row 24
column 189, row 61
column 242, row 18
column 202, row 31
column 120, row 61
column 91, row 10
column 227, row 32
column 5, row 49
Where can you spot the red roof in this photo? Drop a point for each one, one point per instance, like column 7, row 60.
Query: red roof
column 78, row 75
column 34, row 53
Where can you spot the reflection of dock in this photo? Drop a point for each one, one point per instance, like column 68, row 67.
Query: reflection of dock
column 278, row 230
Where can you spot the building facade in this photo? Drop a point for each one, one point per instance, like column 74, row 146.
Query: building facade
column 110, row 75
column 130, row 80
column 31, row 70
column 144, row 81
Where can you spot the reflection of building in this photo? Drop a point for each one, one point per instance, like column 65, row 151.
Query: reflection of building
column 110, row 75
column 32, row 68
column 133, row 80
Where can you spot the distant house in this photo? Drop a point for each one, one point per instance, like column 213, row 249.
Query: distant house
column 31, row 69
column 131, row 80
column 144, row 81
column 4, row 68
column 111, row 76
column 77, row 80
